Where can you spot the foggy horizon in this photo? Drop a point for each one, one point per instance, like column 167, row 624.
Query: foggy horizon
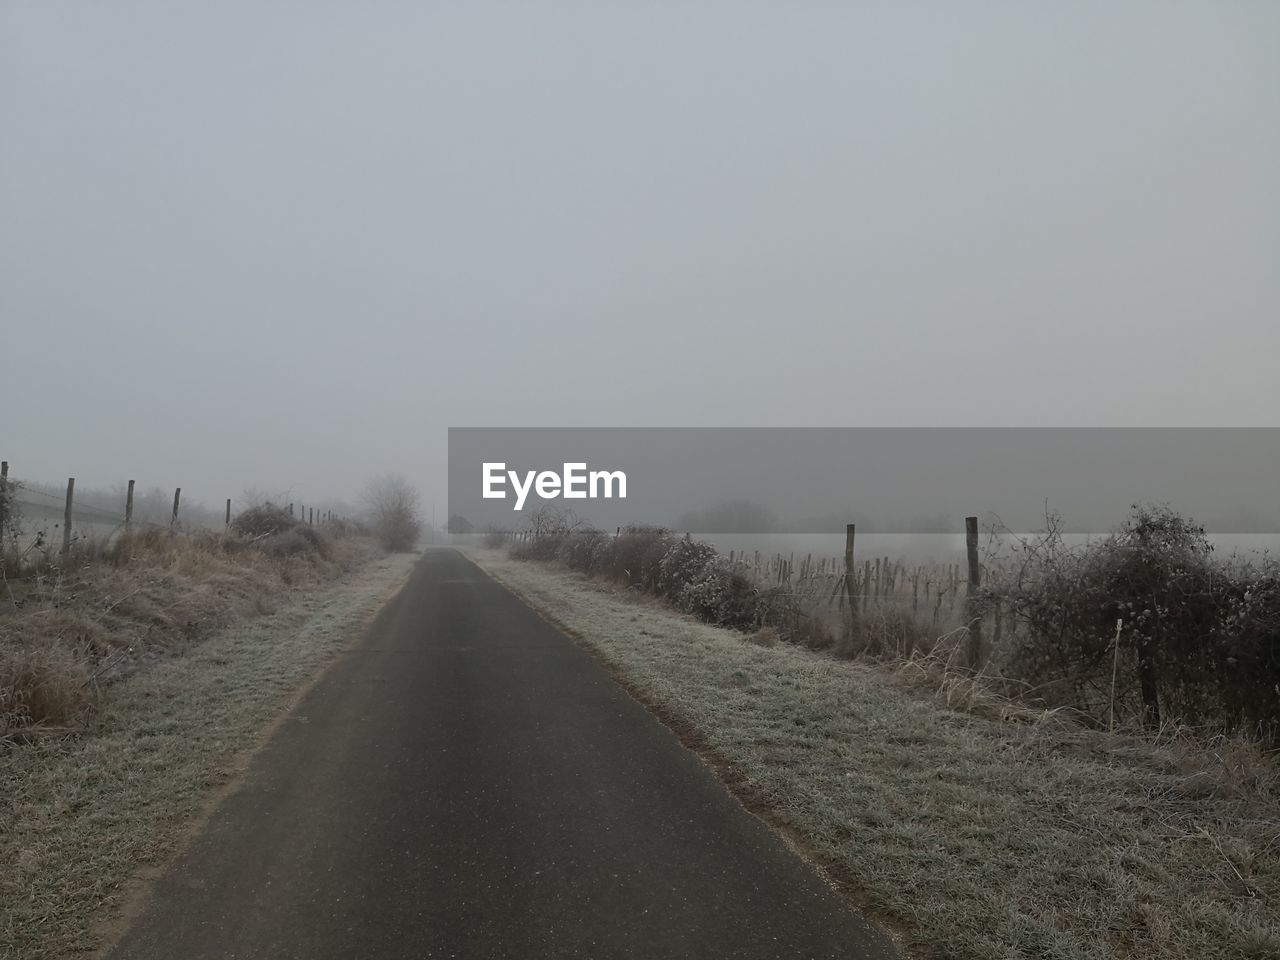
column 860, row 421
column 910, row 480
column 288, row 247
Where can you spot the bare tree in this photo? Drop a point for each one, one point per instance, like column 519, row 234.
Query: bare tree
column 393, row 508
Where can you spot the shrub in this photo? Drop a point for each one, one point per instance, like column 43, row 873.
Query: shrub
column 299, row 539
column 1247, row 639
column 683, row 564
column 263, row 520
column 342, row 528
column 724, row 597
column 548, row 532
column 585, row 550
column 635, row 554
column 886, row 630
column 1197, row 641
column 42, row 684
column 393, row 506
column 687, row 572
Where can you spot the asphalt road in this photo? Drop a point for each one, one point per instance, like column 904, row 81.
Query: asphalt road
column 467, row 782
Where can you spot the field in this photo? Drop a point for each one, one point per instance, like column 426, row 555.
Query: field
column 1145, row 626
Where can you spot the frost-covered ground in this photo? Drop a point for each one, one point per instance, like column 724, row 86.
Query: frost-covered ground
column 978, row 837
column 80, row 817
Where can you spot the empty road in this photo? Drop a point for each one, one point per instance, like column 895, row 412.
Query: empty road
column 466, row 782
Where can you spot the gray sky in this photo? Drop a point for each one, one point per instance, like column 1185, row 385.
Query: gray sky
column 289, row 244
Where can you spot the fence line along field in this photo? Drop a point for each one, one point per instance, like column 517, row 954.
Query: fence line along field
column 96, row 585
column 1143, row 625
column 1096, row 719
column 79, row 514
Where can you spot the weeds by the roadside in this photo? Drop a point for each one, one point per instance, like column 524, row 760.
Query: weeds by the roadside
column 979, row 828
column 685, row 572
column 71, row 622
column 80, row 816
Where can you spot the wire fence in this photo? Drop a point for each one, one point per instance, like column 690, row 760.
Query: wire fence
column 35, row 512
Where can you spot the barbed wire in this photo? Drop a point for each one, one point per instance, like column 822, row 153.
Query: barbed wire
column 89, row 514
column 100, row 515
column 19, row 485
column 99, row 512
column 61, row 498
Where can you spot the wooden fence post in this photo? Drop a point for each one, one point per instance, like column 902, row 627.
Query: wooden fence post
column 973, row 598
column 4, row 498
column 850, row 593
column 128, row 508
column 177, row 495
column 66, row 516
column 227, row 522
column 311, row 517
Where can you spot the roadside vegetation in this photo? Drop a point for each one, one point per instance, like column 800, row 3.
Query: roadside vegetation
column 687, row 573
column 975, row 826
column 1143, row 628
column 394, row 511
column 1104, row 783
column 85, row 820
column 72, row 623
column 137, row 671
column 1147, row 625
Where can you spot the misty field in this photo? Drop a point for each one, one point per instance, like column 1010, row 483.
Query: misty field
column 1146, row 627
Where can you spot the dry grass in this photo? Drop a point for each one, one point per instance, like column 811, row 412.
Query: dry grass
column 81, row 816
column 67, row 626
column 976, row 829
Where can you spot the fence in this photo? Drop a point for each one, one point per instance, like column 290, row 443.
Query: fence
column 844, row 589
column 852, row 589
column 94, row 516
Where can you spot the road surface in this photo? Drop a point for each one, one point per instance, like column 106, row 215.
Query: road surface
column 467, row 783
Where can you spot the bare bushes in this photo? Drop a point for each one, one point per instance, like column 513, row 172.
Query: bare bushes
column 888, row 631
column 1197, row 643
column 684, row 564
column 263, row 520
column 393, row 509
column 42, row 684
column 71, row 622
column 278, row 534
column 689, row 574
column 1150, row 612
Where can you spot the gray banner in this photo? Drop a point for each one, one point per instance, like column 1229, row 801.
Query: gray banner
column 809, row 480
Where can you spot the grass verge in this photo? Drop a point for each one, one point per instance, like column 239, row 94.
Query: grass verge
column 81, row 817
column 976, row 836
column 71, row 625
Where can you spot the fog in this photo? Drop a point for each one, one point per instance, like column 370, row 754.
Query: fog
column 894, row 481
column 286, row 246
